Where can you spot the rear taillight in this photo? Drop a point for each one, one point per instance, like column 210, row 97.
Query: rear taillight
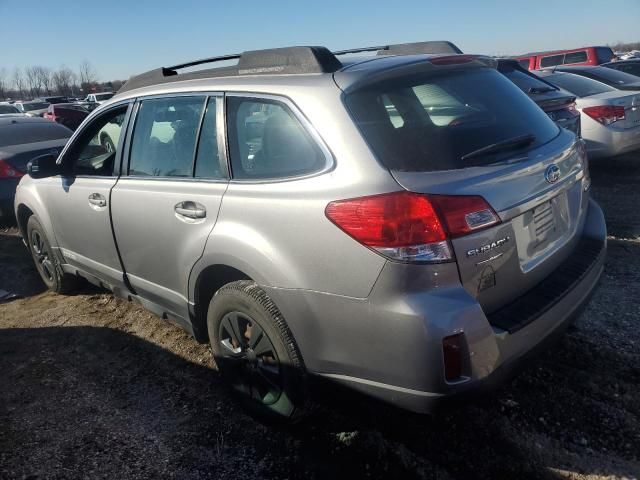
column 605, row 114
column 409, row 226
column 573, row 110
column 8, row 171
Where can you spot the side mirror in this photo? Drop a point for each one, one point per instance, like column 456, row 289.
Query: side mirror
column 44, row 166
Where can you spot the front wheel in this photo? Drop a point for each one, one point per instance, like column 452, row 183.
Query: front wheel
column 46, row 264
column 255, row 351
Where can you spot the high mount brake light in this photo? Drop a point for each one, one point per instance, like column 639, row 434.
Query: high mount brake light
column 452, row 59
column 409, row 226
column 605, row 114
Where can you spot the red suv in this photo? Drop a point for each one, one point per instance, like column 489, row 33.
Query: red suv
column 576, row 56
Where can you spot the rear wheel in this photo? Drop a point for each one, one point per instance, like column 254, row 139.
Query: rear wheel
column 255, row 351
column 46, row 264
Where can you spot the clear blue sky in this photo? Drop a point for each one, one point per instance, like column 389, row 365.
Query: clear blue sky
column 121, row 38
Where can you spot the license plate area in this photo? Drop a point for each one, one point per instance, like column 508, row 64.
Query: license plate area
column 541, row 230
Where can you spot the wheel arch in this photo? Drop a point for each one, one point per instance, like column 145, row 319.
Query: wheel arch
column 206, row 284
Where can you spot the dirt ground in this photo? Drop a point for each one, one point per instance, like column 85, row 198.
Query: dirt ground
column 94, row 387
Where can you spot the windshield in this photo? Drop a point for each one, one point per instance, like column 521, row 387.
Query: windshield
column 611, row 76
column 35, row 106
column 19, row 133
column 104, row 96
column 524, row 81
column 429, row 122
column 579, row 86
column 8, row 109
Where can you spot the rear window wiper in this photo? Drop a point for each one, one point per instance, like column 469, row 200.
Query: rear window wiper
column 508, row 144
column 541, row 89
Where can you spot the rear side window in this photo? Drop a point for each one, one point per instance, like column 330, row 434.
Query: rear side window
column 631, row 68
column 578, row 85
column 429, row 122
column 266, row 140
column 164, row 137
column 28, row 132
column 604, row 54
column 575, row 57
column 551, row 61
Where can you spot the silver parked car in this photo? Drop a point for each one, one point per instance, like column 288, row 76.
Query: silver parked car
column 408, row 226
column 610, row 117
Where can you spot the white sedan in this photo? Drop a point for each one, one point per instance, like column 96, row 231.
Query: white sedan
column 610, row 117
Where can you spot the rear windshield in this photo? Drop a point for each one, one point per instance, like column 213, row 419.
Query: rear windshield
column 611, row 76
column 523, row 80
column 579, row 86
column 429, row 122
column 19, row 133
column 34, row 106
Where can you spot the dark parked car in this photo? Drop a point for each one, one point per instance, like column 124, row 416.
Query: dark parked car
column 70, row 115
column 55, row 99
column 22, row 139
column 609, row 76
column 631, row 67
column 557, row 103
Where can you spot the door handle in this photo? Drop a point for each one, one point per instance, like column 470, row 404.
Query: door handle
column 97, row 200
column 191, row 210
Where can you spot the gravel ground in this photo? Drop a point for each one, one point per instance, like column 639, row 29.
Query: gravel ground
column 95, row 387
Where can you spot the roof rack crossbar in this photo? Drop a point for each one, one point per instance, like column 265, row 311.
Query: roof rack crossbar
column 193, row 63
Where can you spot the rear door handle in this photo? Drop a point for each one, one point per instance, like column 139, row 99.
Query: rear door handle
column 191, row 210
column 97, row 200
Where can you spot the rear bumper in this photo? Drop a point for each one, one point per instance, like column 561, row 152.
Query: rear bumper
column 608, row 141
column 389, row 346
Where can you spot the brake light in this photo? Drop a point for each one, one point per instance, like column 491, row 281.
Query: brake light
column 410, row 226
column 8, row 171
column 452, row 59
column 572, row 109
column 605, row 114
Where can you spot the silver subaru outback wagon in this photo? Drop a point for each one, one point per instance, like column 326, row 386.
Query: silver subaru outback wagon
column 407, row 226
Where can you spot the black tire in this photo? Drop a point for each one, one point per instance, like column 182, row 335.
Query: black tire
column 107, row 143
column 255, row 351
column 46, row 264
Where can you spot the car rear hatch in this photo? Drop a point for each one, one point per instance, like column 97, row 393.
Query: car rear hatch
column 464, row 130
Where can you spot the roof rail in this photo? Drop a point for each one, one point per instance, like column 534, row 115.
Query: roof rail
column 289, row 60
column 434, row 47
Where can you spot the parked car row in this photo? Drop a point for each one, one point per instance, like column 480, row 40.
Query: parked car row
column 408, row 222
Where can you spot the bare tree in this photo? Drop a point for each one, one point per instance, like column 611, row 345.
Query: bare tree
column 34, row 80
column 3, row 83
column 44, row 74
column 63, row 80
column 87, row 75
column 18, row 81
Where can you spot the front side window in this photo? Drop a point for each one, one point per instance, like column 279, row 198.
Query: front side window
column 266, row 140
column 575, row 57
column 94, row 152
column 8, row 109
column 551, row 61
column 164, row 136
